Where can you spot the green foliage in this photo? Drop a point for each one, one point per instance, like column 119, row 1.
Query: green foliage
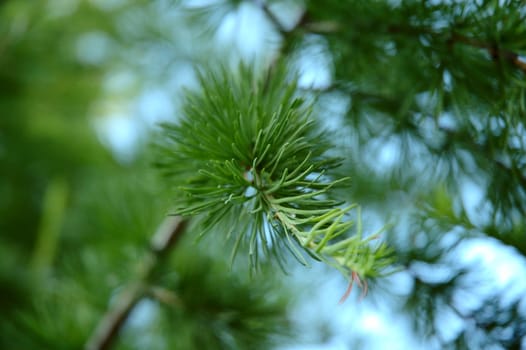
column 196, row 298
column 45, row 143
column 439, row 85
column 76, row 224
column 204, row 305
column 248, row 156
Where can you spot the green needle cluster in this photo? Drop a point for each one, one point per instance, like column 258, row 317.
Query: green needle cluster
column 248, row 159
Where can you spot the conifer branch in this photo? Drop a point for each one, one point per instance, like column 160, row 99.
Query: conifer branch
column 496, row 53
column 250, row 159
column 493, row 49
column 111, row 323
column 165, row 239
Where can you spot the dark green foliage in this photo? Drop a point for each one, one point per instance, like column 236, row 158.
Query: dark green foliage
column 75, row 225
column 214, row 309
column 45, row 143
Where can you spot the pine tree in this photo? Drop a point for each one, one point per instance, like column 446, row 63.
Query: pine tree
column 188, row 241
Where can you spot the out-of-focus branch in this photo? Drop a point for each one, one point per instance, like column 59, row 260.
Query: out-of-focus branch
column 115, row 317
column 496, row 53
column 166, row 237
column 272, row 17
column 287, row 34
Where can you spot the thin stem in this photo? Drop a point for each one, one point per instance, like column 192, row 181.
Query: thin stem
column 287, row 35
column 114, row 319
column 54, row 206
column 497, row 53
column 165, row 296
column 493, row 50
column 166, row 237
column 272, row 17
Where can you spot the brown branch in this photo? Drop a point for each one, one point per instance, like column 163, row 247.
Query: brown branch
column 493, row 50
column 113, row 320
column 272, row 17
column 166, row 237
column 496, row 52
column 165, row 296
column 286, row 34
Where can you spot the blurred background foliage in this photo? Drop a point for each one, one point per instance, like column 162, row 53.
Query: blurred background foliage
column 426, row 101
